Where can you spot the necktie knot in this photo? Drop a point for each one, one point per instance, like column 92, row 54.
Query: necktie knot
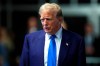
column 52, row 36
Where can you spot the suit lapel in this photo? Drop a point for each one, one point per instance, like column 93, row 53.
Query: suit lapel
column 64, row 47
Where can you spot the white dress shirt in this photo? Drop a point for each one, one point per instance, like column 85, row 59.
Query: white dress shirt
column 58, row 43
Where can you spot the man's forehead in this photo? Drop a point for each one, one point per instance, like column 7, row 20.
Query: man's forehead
column 45, row 17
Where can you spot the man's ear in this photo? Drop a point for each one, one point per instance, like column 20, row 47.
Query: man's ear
column 60, row 19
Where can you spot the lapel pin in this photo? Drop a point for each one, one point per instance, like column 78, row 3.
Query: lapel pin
column 67, row 44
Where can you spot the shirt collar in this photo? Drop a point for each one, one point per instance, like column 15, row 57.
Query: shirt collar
column 58, row 34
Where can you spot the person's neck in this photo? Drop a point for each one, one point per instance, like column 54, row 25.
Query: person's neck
column 55, row 31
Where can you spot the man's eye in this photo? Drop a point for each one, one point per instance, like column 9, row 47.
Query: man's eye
column 45, row 19
column 49, row 19
column 42, row 19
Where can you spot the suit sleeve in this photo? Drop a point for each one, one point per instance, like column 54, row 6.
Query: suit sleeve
column 81, row 54
column 24, row 59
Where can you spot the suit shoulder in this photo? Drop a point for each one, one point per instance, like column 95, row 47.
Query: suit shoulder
column 35, row 34
column 73, row 34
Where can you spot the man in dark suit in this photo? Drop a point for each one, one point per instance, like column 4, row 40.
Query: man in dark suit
column 68, row 47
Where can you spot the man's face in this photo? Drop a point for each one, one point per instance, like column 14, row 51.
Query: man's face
column 50, row 22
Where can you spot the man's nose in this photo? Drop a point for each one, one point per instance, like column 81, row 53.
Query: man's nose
column 45, row 21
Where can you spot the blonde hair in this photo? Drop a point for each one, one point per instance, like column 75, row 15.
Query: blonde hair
column 51, row 7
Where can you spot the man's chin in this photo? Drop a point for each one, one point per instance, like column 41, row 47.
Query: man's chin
column 47, row 31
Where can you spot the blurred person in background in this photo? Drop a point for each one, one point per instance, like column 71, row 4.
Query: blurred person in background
column 6, row 46
column 89, row 39
column 32, row 24
column 53, row 46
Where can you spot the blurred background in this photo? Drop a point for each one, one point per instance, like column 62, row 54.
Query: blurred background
column 19, row 17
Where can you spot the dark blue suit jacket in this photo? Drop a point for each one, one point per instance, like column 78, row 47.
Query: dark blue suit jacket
column 72, row 54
